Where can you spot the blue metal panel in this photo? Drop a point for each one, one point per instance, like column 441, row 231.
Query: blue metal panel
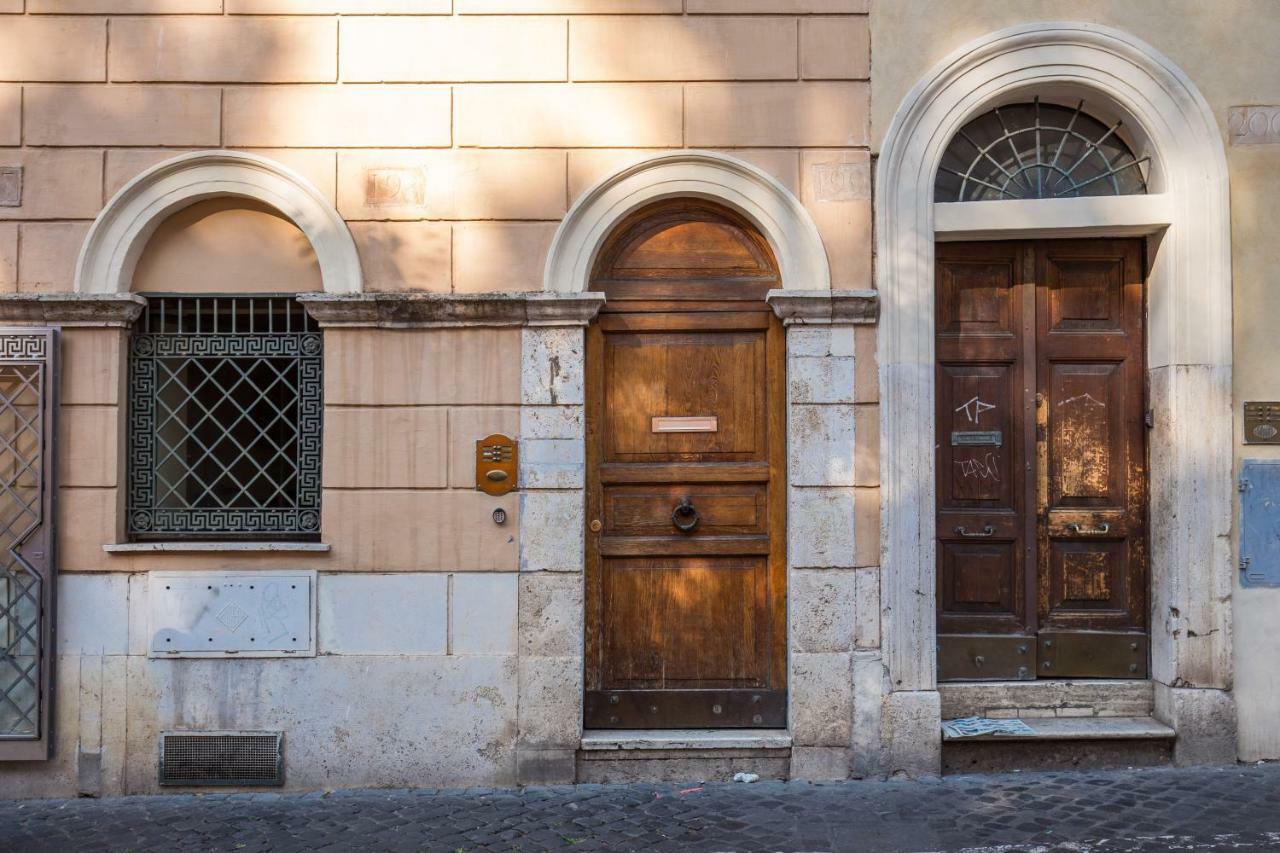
column 1260, row 523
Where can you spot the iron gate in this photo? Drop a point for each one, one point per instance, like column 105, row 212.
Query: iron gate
column 28, row 379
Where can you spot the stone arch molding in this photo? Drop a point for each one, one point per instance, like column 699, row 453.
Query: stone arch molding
column 759, row 197
column 120, row 233
column 1189, row 337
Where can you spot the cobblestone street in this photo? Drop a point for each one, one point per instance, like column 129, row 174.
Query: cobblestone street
column 1099, row 812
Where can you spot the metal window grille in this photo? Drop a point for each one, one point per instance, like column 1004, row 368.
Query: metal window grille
column 224, row 419
column 27, row 379
column 1038, row 150
column 222, row 758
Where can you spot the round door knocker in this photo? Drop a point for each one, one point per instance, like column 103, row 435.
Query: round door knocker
column 684, row 517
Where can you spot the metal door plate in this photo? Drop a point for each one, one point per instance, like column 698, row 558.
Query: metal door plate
column 1092, row 654
column 232, row 614
column 986, row 657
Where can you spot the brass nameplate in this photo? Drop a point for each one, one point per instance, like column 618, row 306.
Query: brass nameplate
column 497, row 462
column 973, row 438
column 709, row 423
column 1262, row 423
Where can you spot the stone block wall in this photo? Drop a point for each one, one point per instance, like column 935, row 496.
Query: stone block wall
column 452, row 135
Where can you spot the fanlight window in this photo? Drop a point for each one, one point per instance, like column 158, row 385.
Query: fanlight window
column 1038, row 150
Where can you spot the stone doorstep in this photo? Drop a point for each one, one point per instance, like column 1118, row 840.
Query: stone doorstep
column 684, row 739
column 1081, row 728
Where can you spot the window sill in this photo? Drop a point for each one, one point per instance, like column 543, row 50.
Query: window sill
column 216, row 547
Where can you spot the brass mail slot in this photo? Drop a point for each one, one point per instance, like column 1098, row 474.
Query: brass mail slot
column 707, row 423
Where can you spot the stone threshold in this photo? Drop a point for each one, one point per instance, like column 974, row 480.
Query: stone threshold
column 216, row 547
column 1086, row 697
column 647, row 739
column 1082, row 728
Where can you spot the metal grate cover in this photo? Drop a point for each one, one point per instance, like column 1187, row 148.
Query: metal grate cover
column 225, row 416
column 222, row 758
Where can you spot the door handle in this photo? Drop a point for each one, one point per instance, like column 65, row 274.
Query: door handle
column 684, row 516
column 987, row 530
column 1102, row 529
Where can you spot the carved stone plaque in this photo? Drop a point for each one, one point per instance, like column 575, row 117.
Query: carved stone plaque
column 10, row 186
column 238, row 614
column 1253, row 125
column 395, row 187
column 841, row 181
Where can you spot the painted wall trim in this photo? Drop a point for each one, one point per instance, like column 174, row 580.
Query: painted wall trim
column 758, row 196
column 120, row 232
column 1189, row 344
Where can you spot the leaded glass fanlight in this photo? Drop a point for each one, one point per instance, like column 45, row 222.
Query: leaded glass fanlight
column 1035, row 150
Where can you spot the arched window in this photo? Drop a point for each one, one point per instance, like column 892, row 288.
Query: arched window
column 1035, row 150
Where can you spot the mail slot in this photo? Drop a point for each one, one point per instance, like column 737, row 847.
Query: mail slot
column 706, row 423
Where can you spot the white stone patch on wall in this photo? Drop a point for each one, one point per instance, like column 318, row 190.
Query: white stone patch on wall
column 552, row 366
column 826, row 622
column 821, row 444
column 93, row 614
column 551, row 531
column 552, row 463
column 482, row 616
column 552, row 422
column 372, row 614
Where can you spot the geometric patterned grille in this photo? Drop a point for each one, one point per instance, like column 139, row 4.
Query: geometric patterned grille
column 222, row 758
column 225, row 409
column 22, row 508
column 1037, row 151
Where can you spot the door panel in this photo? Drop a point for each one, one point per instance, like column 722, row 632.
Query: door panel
column 686, row 563
column 1041, row 459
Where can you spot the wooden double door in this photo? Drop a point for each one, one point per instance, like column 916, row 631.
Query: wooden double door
column 686, row 578
column 1041, row 460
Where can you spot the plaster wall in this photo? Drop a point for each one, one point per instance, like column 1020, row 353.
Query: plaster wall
column 1211, row 43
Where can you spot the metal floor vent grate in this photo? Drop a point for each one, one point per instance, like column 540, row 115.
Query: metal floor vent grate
column 222, row 758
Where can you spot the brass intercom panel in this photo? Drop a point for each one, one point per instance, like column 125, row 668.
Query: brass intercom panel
column 497, row 464
column 1262, row 423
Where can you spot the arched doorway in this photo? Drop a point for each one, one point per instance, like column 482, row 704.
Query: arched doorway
column 686, row 483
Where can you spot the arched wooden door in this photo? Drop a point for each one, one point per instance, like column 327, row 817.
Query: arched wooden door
column 686, row 561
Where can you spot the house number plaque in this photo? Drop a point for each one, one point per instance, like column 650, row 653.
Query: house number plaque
column 497, row 464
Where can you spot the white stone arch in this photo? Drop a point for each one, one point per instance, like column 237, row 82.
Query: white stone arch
column 765, row 202
column 1189, row 347
column 120, row 233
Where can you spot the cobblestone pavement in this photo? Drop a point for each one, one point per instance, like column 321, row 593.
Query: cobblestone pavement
column 1132, row 811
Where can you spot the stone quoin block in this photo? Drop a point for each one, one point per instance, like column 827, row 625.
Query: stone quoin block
column 224, row 50
column 552, row 463
column 124, row 7
column 552, row 362
column 821, row 699
column 551, row 537
column 552, row 422
column 452, row 49
column 823, row 608
column 570, row 7
column 8, row 257
column 777, row 7
column 121, row 115
column 551, row 614
column 550, row 702
column 588, row 166
column 10, row 115
column 820, row 380
column 821, row 442
column 821, row 523
column 338, row 7
column 657, row 48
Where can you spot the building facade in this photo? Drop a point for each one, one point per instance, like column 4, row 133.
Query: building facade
column 493, row 392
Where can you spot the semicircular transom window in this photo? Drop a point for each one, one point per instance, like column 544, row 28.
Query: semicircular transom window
column 1036, row 150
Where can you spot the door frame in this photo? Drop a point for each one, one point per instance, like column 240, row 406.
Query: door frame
column 1187, row 222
